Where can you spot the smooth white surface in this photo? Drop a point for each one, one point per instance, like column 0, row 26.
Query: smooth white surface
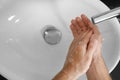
column 24, row 55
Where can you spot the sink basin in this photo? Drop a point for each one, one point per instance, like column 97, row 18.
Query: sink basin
column 24, row 54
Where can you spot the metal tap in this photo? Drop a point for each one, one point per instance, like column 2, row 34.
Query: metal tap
column 106, row 15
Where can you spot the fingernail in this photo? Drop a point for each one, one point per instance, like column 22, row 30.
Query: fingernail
column 77, row 18
column 72, row 20
column 83, row 15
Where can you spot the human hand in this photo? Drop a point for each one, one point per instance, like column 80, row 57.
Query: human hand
column 98, row 69
column 97, row 34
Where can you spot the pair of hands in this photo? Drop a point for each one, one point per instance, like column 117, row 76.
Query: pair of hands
column 85, row 47
column 84, row 55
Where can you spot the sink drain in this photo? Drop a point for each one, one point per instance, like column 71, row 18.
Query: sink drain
column 52, row 35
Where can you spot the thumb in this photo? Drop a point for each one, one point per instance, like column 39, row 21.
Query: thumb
column 92, row 46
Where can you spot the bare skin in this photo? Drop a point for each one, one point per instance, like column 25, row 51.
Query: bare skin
column 84, row 53
column 98, row 69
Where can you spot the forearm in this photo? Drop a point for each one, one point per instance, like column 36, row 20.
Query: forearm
column 98, row 70
column 66, row 73
column 63, row 76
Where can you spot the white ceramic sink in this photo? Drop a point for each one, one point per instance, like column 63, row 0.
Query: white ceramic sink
column 24, row 54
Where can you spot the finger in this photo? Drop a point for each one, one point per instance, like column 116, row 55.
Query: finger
column 86, row 38
column 85, row 20
column 90, row 24
column 92, row 46
column 77, row 40
column 81, row 36
column 74, row 23
column 91, row 50
column 74, row 31
column 81, row 24
column 96, row 30
column 79, row 27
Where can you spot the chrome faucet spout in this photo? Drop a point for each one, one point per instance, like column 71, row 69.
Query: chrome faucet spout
column 106, row 15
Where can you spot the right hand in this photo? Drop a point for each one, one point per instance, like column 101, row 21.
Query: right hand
column 98, row 69
column 98, row 36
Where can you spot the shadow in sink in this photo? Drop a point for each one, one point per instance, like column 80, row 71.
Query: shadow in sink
column 116, row 73
column 2, row 78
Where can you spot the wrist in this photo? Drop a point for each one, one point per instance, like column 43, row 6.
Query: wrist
column 98, row 69
column 97, row 58
column 70, row 72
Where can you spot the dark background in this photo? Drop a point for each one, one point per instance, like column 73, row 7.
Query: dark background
column 111, row 4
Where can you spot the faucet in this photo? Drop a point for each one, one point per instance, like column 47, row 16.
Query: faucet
column 106, row 15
